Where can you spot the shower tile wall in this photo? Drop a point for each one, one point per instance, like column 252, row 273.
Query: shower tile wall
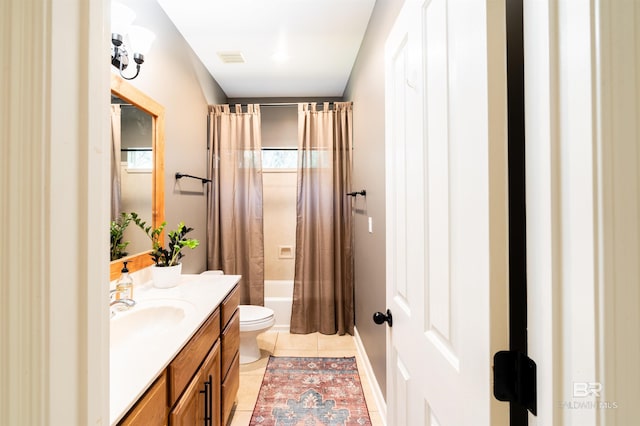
column 279, row 130
column 279, row 212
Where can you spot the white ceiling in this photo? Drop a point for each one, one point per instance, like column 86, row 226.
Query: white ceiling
column 291, row 48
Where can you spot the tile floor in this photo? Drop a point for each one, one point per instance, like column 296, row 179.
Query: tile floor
column 285, row 344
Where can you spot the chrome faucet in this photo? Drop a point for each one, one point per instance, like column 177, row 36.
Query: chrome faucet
column 126, row 303
column 129, row 303
column 122, row 304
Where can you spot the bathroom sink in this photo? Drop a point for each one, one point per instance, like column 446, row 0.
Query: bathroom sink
column 148, row 319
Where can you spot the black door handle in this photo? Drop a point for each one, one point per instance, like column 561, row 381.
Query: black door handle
column 380, row 318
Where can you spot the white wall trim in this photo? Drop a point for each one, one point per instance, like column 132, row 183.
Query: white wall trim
column 23, row 308
column 565, row 197
column 373, row 381
column 618, row 107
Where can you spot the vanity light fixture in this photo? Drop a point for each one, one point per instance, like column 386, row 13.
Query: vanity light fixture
column 139, row 38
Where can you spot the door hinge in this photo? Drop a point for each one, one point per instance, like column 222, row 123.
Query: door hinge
column 514, row 379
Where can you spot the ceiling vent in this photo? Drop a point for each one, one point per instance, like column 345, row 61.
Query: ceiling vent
column 231, row 57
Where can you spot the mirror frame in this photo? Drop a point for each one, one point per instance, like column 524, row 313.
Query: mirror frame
column 130, row 94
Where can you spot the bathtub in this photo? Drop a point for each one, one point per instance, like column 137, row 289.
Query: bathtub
column 278, row 295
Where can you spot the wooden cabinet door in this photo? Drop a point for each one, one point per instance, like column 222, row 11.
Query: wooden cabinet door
column 210, row 379
column 151, row 409
column 200, row 403
column 188, row 411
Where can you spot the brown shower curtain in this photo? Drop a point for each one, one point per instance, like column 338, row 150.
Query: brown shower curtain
column 235, row 241
column 323, row 283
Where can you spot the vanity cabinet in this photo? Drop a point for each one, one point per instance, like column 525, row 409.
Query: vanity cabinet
column 200, row 384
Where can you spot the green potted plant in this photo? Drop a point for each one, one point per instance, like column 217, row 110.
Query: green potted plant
column 118, row 226
column 167, row 267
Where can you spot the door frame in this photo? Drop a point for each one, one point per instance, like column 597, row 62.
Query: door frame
column 582, row 208
column 562, row 244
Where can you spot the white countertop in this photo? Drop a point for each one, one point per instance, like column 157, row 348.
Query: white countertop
column 135, row 365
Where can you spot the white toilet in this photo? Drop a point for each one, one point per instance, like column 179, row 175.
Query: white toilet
column 253, row 321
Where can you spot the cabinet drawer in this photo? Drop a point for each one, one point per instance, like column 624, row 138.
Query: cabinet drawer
column 230, row 342
column 151, row 409
column 186, row 363
column 229, row 305
column 230, row 387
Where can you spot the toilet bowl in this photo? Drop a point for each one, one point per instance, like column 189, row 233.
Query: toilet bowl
column 253, row 321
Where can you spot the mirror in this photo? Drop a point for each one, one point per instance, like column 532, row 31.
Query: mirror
column 132, row 137
column 147, row 119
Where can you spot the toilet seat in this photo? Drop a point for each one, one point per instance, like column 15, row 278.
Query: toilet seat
column 254, row 318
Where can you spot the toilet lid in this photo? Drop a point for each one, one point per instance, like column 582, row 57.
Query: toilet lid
column 251, row 314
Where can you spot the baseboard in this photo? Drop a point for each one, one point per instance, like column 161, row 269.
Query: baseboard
column 373, row 382
column 280, row 328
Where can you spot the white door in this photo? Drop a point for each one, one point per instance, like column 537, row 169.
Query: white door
column 446, row 189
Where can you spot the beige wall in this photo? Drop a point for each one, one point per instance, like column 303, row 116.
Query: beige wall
column 366, row 90
column 173, row 76
column 279, row 126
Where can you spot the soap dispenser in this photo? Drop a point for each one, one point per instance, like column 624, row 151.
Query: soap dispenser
column 124, row 285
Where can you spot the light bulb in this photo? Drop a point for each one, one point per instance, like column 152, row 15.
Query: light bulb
column 121, row 18
column 140, row 39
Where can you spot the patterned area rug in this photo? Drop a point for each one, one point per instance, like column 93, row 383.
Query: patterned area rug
column 310, row 392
